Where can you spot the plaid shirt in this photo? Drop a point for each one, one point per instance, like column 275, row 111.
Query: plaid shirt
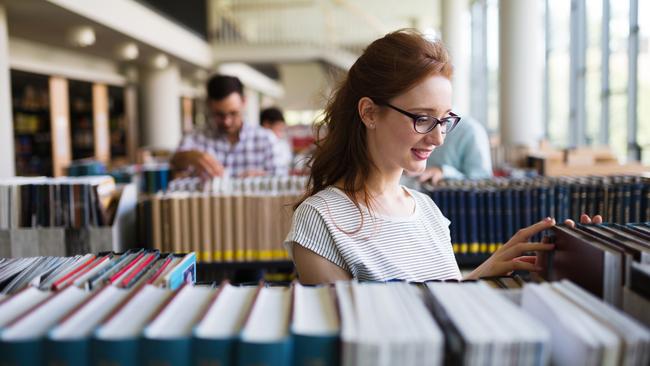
column 254, row 151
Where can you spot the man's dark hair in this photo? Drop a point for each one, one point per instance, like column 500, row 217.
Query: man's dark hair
column 271, row 115
column 221, row 86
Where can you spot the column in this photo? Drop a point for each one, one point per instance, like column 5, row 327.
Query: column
column 7, row 163
column 520, row 72
column 161, row 103
column 456, row 34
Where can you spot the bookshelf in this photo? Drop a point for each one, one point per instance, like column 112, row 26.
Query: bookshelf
column 81, row 119
column 32, row 128
column 118, row 128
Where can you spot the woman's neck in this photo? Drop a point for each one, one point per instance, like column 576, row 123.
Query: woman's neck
column 384, row 184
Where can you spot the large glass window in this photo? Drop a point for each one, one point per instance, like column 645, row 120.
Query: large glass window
column 618, row 77
column 593, row 82
column 558, row 69
column 643, row 77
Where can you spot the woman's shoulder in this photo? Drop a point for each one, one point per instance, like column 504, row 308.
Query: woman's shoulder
column 327, row 199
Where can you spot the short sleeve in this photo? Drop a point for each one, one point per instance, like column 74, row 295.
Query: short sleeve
column 311, row 232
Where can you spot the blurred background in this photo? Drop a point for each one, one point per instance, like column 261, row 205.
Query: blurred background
column 121, row 81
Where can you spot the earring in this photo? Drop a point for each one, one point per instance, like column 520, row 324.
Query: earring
column 372, row 125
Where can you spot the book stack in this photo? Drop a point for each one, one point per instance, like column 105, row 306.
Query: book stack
column 65, row 216
column 49, row 306
column 611, row 261
column 485, row 214
column 349, row 323
column 223, row 220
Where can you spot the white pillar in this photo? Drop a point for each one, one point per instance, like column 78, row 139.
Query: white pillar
column 456, row 34
column 521, row 72
column 252, row 112
column 161, row 103
column 7, row 154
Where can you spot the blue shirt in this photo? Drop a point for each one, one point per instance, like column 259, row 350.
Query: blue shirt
column 465, row 152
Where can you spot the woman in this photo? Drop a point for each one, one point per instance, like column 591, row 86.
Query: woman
column 356, row 221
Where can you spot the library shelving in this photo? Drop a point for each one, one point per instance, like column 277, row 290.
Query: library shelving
column 32, row 128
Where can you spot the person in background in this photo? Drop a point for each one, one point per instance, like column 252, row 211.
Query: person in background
column 226, row 145
column 272, row 119
column 464, row 155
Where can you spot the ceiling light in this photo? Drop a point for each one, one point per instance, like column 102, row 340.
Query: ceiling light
column 128, row 51
column 82, row 36
column 161, row 61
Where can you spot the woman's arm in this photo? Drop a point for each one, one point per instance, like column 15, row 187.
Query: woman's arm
column 512, row 256
column 314, row 269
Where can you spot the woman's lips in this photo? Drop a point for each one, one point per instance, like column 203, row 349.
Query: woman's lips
column 421, row 154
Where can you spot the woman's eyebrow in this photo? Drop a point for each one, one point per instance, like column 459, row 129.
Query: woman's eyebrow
column 432, row 111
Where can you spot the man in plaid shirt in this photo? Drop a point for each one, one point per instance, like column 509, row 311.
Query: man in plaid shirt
column 228, row 145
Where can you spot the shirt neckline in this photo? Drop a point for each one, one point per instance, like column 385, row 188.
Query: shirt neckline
column 412, row 217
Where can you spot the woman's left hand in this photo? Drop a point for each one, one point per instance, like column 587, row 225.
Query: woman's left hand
column 510, row 256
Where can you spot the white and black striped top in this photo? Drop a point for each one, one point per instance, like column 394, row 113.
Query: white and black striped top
column 414, row 248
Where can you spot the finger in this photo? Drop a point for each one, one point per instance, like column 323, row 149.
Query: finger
column 436, row 178
column 531, row 247
column 204, row 167
column 597, row 219
column 570, row 223
column 525, row 266
column 526, row 258
column 585, row 219
column 525, row 233
column 213, row 165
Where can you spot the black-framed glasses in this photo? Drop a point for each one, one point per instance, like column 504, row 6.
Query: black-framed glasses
column 424, row 123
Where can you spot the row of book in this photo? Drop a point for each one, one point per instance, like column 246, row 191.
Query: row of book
column 349, row 323
column 71, row 202
column 92, row 271
column 222, row 220
column 611, row 261
column 485, row 214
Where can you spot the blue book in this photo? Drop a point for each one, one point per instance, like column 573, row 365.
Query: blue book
column 22, row 341
column 462, row 222
column 216, row 335
column 167, row 339
column 472, row 208
column 184, row 272
column 498, row 217
column 265, row 338
column 315, row 327
column 492, row 247
column 516, row 209
column 68, row 343
column 117, row 340
column 508, row 217
column 482, row 220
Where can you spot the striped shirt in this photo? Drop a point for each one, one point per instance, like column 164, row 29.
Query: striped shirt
column 253, row 151
column 374, row 247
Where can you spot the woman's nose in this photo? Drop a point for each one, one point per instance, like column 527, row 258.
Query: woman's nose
column 435, row 137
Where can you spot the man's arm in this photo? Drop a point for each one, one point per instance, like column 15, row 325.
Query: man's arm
column 201, row 162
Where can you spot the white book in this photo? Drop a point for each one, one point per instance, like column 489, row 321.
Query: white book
column 314, row 311
column 131, row 319
column 85, row 319
column 226, row 315
column 269, row 319
column 39, row 320
column 19, row 303
column 181, row 314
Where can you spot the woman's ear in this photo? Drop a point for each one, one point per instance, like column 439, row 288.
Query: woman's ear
column 368, row 112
